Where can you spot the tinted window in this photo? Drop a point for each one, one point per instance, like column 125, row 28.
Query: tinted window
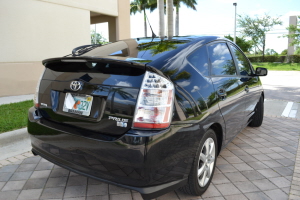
column 243, row 64
column 221, row 60
column 153, row 50
column 199, row 60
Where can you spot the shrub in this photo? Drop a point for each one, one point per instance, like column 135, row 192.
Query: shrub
column 291, row 58
column 281, row 59
column 294, row 58
column 271, row 59
column 255, row 58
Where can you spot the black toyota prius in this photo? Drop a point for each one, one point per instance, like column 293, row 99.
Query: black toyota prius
column 149, row 115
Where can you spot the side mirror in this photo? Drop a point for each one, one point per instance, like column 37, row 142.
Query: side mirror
column 260, row 71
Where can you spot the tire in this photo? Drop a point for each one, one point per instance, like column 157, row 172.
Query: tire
column 258, row 115
column 197, row 185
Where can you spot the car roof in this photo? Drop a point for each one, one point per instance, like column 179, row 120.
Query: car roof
column 147, row 50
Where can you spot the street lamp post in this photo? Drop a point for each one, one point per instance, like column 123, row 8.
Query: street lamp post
column 234, row 38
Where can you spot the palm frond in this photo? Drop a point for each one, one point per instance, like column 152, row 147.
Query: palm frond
column 134, row 8
column 189, row 3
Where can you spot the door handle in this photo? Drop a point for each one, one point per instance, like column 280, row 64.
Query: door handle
column 222, row 94
column 246, row 89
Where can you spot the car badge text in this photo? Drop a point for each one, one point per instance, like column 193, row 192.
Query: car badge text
column 121, row 122
column 76, row 85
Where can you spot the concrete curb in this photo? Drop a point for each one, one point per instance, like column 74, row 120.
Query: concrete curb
column 15, row 99
column 13, row 143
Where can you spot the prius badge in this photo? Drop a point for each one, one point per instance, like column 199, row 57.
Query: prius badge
column 120, row 121
column 76, row 85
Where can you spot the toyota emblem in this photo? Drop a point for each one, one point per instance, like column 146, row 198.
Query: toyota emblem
column 76, row 85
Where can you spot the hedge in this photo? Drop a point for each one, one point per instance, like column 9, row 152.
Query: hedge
column 291, row 58
column 295, row 58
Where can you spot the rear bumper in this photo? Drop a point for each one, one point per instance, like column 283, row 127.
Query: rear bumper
column 149, row 192
column 151, row 163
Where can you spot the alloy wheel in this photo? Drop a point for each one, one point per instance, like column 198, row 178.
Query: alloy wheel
column 206, row 162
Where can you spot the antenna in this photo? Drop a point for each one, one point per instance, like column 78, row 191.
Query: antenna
column 153, row 34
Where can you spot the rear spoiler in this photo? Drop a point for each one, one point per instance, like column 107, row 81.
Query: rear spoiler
column 129, row 62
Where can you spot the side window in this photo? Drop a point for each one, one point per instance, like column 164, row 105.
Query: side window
column 243, row 64
column 221, row 60
column 199, row 59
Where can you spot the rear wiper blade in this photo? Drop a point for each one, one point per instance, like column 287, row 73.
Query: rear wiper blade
column 83, row 49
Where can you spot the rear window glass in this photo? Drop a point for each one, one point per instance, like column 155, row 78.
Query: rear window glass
column 156, row 49
column 199, row 59
column 221, row 60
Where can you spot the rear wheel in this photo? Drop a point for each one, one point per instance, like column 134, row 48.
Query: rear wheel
column 204, row 165
column 258, row 116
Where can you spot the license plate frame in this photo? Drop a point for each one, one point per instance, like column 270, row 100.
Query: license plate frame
column 79, row 104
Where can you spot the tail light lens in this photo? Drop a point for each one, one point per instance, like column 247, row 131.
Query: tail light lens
column 155, row 103
column 36, row 94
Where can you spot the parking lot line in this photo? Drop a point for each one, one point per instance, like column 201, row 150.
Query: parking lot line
column 293, row 113
column 287, row 110
column 294, row 110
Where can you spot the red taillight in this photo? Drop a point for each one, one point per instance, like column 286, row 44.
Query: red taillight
column 145, row 125
column 155, row 103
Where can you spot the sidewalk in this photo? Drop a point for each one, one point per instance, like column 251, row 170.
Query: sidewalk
column 14, row 99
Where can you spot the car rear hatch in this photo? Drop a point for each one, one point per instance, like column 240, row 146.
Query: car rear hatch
column 91, row 95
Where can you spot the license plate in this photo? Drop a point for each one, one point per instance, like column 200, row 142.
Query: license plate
column 78, row 104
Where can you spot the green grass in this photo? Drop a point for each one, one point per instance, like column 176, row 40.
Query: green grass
column 14, row 116
column 278, row 66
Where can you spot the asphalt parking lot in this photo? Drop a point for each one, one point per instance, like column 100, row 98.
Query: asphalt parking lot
column 283, row 85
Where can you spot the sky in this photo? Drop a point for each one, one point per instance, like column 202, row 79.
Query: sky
column 216, row 17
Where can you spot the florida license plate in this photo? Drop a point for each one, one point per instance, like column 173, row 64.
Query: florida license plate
column 78, row 104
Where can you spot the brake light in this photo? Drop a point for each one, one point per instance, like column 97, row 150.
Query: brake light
column 155, row 102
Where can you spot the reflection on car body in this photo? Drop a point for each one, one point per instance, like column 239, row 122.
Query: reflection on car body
column 161, row 111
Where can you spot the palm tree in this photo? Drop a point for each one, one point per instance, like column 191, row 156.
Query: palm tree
column 161, row 14
column 142, row 6
column 170, row 21
column 160, row 5
column 189, row 3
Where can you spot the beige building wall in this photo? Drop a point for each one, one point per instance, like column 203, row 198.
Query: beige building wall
column 105, row 7
column 19, row 78
column 123, row 21
column 33, row 30
column 119, row 27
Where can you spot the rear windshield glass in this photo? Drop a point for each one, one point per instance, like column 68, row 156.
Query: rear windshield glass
column 143, row 50
column 153, row 50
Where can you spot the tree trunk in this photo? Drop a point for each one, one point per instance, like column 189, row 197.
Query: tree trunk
column 170, row 31
column 177, row 20
column 145, row 23
column 161, row 19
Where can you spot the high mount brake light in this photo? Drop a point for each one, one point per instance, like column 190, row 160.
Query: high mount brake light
column 155, row 103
